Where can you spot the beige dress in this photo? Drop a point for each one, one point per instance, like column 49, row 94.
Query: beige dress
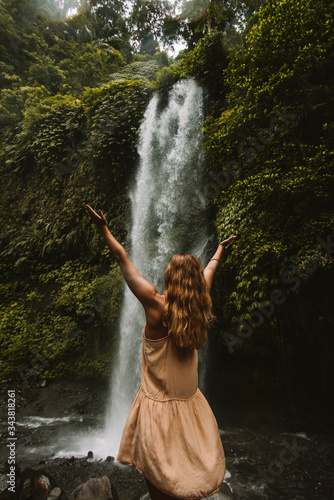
column 171, row 435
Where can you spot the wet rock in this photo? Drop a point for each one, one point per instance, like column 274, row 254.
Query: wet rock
column 55, row 494
column 41, row 486
column 26, row 489
column 226, row 490
column 224, row 493
column 80, row 407
column 97, row 488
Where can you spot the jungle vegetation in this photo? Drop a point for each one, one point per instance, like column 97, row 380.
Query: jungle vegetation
column 74, row 84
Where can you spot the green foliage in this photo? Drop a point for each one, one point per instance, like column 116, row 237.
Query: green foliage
column 144, row 69
column 90, row 66
column 11, row 105
column 45, row 73
column 166, row 78
column 7, row 77
column 288, row 52
column 205, row 15
column 61, row 314
column 272, row 241
column 206, row 63
column 70, row 152
column 270, row 153
column 148, row 24
column 114, row 114
column 39, row 51
column 202, row 17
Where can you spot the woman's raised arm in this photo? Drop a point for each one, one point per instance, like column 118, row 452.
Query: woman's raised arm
column 211, row 268
column 144, row 291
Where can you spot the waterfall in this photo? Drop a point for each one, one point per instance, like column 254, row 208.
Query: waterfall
column 168, row 216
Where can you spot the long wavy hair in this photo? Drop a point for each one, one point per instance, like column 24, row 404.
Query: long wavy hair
column 187, row 312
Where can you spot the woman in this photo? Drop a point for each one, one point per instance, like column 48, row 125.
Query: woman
column 171, row 435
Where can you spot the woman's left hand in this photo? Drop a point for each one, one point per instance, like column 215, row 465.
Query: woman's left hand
column 98, row 219
column 226, row 242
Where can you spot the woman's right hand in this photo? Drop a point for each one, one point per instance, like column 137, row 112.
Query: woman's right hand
column 226, row 242
column 98, row 219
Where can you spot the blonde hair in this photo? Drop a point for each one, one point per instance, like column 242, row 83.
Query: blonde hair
column 187, row 312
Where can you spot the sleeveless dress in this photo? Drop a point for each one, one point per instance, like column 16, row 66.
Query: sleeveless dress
column 171, row 434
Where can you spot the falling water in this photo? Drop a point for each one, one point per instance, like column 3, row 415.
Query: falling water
column 168, row 216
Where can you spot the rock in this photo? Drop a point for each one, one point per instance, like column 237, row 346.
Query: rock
column 54, row 494
column 26, row 489
column 96, row 488
column 110, row 459
column 226, row 490
column 38, row 485
column 90, row 454
column 7, row 495
column 42, row 483
column 224, row 493
column 3, row 481
column 34, row 485
column 217, row 496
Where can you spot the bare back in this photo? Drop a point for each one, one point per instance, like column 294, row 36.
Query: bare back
column 154, row 328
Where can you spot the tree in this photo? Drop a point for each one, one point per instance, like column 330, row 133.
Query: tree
column 203, row 16
column 110, row 25
column 148, row 21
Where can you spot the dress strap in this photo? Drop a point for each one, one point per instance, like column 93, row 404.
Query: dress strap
column 153, row 340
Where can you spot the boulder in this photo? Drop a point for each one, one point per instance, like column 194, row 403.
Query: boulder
column 96, row 488
column 54, row 494
column 42, row 486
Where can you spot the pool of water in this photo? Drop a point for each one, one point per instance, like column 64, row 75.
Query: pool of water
column 263, row 462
